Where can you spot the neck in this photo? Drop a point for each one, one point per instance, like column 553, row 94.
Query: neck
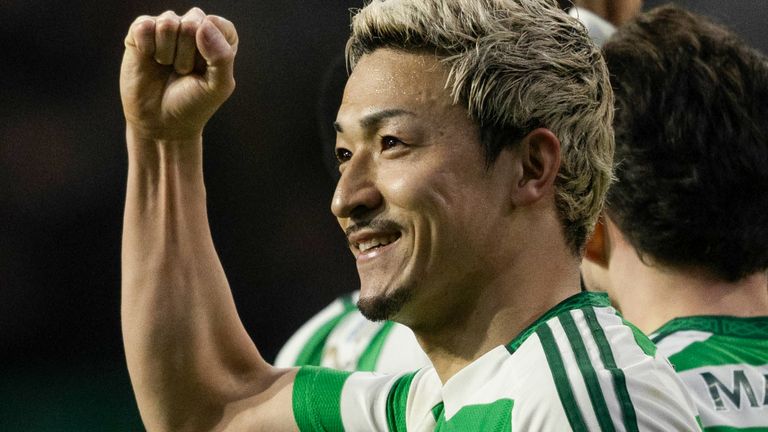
column 673, row 293
column 499, row 309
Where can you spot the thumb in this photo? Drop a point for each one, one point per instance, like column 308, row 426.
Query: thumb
column 217, row 42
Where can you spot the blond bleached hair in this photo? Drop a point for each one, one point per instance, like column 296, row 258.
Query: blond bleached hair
column 516, row 65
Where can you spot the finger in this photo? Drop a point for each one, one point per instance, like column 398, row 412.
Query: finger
column 186, row 47
column 141, row 36
column 218, row 52
column 227, row 29
column 166, row 32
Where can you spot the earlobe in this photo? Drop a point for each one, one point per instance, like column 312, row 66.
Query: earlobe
column 539, row 153
column 597, row 250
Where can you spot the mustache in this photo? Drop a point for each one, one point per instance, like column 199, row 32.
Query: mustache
column 374, row 224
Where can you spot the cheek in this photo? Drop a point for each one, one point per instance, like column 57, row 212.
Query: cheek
column 428, row 191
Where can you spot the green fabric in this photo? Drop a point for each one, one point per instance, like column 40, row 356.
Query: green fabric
column 312, row 352
column 577, row 301
column 367, row 361
column 642, row 340
column 317, row 399
column 735, row 429
column 587, row 372
column 563, row 384
column 437, row 410
column 619, row 380
column 747, row 328
column 720, row 351
column 492, row 417
column 397, row 400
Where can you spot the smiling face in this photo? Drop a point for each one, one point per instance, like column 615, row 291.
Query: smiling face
column 424, row 217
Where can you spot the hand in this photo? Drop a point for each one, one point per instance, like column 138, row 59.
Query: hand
column 176, row 72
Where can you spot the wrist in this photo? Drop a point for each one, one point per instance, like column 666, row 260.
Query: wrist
column 151, row 151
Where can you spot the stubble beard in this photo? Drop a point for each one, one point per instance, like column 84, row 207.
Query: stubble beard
column 385, row 306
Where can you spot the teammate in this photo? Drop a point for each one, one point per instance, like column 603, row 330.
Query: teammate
column 474, row 146
column 681, row 248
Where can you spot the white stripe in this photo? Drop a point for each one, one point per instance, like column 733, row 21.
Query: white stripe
column 575, row 377
column 364, row 401
column 423, row 395
column 532, row 386
column 604, row 377
column 679, row 341
column 657, row 393
column 485, row 374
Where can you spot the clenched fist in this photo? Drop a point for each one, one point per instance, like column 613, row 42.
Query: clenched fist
column 176, row 72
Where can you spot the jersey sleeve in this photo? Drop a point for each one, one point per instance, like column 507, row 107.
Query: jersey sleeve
column 607, row 376
column 330, row 400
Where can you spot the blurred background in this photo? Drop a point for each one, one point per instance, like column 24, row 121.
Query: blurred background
column 62, row 181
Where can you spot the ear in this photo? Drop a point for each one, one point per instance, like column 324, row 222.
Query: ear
column 539, row 153
column 598, row 246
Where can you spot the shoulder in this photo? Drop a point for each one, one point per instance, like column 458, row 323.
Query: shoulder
column 602, row 371
column 723, row 362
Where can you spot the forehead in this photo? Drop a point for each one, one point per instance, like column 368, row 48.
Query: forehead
column 389, row 78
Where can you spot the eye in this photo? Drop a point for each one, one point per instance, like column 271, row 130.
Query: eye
column 343, row 155
column 388, row 142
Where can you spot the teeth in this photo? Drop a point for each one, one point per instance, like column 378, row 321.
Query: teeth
column 370, row 244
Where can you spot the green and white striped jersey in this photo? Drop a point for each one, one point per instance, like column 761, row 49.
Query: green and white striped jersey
column 579, row 367
column 340, row 337
column 723, row 361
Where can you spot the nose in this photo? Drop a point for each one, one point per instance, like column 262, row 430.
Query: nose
column 356, row 191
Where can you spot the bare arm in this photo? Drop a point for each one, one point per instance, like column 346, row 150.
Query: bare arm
column 192, row 364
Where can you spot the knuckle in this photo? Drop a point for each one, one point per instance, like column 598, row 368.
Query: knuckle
column 188, row 28
column 166, row 25
column 195, row 12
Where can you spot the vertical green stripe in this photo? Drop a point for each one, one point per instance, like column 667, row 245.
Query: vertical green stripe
column 564, row 390
column 619, row 380
column 317, row 399
column 587, row 372
column 397, row 401
column 367, row 361
column 312, row 352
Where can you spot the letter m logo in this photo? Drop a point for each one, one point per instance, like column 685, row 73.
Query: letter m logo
column 717, row 389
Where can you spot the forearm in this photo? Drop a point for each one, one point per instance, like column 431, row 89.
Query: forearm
column 187, row 350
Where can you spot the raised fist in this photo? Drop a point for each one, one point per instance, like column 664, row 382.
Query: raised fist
column 176, row 72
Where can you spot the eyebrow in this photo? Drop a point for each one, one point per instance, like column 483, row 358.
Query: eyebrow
column 374, row 119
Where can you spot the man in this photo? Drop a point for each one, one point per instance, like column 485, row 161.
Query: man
column 681, row 248
column 339, row 336
column 474, row 147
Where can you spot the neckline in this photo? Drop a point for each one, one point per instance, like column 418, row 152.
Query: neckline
column 722, row 325
column 576, row 301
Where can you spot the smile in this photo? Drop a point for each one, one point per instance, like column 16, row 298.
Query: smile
column 367, row 245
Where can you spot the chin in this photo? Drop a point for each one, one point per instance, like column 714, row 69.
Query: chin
column 384, row 306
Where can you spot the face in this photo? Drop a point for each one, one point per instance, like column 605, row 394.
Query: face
column 423, row 215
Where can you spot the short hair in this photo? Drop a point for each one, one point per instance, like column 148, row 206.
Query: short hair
column 691, row 144
column 516, row 65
